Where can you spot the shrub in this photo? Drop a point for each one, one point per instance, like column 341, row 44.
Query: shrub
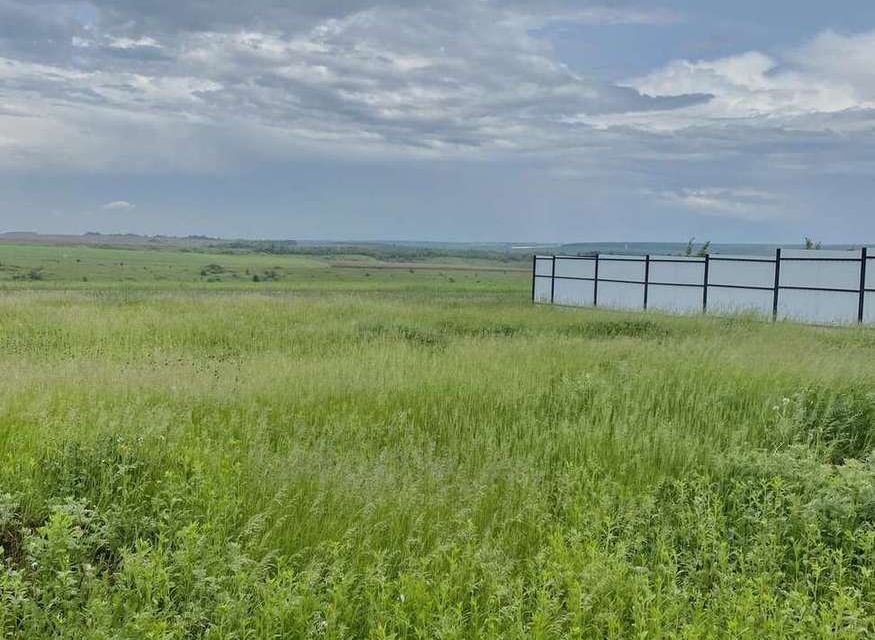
column 212, row 269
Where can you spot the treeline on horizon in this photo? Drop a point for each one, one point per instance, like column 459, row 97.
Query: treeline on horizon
column 385, row 252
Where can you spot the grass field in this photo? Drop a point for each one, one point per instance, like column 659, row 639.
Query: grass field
column 417, row 454
column 83, row 267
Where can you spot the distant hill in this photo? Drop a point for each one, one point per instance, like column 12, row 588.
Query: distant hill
column 387, row 249
column 105, row 239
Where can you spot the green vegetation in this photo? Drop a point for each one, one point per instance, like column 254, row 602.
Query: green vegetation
column 83, row 267
column 378, row 251
column 701, row 252
column 401, row 456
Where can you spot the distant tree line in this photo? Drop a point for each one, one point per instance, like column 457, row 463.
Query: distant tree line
column 384, row 252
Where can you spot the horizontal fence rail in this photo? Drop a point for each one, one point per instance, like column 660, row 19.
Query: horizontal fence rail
column 806, row 285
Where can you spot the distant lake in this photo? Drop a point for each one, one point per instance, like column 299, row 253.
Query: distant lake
column 674, row 248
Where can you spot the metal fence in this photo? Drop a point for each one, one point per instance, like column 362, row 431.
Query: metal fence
column 811, row 286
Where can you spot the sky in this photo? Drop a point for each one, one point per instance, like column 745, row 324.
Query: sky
column 454, row 120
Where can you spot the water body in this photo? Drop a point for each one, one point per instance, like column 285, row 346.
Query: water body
column 628, row 248
column 680, row 248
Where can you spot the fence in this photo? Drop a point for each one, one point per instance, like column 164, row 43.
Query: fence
column 806, row 285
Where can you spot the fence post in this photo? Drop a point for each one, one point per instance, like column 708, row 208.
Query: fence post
column 705, row 286
column 864, row 258
column 534, row 274
column 595, row 283
column 646, row 278
column 553, row 280
column 777, row 283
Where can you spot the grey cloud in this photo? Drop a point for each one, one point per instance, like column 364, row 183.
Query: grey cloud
column 451, row 79
column 210, row 15
column 37, row 30
column 219, row 15
column 235, row 80
column 742, row 203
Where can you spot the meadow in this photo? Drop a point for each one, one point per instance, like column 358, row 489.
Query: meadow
column 411, row 452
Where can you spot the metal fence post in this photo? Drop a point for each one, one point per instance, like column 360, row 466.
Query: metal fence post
column 777, row 283
column 864, row 258
column 705, row 286
column 534, row 274
column 646, row 278
column 553, row 281
column 595, row 283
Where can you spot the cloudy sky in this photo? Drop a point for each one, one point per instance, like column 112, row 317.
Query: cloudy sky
column 468, row 120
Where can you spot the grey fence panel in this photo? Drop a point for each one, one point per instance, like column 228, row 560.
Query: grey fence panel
column 869, row 304
column 818, row 306
column 578, row 293
column 620, row 295
column 675, row 298
column 542, row 278
column 575, row 267
column 630, row 268
column 820, row 286
column 676, row 283
column 867, row 286
column 738, row 271
column 542, row 289
column 821, row 269
column 689, row 271
column 544, row 266
column 731, row 301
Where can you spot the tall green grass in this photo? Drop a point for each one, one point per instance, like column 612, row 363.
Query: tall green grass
column 418, row 465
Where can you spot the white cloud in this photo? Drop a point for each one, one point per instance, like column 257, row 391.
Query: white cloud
column 844, row 57
column 832, row 74
column 118, row 205
column 754, row 84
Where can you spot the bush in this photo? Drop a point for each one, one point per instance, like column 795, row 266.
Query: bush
column 212, row 269
column 32, row 274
